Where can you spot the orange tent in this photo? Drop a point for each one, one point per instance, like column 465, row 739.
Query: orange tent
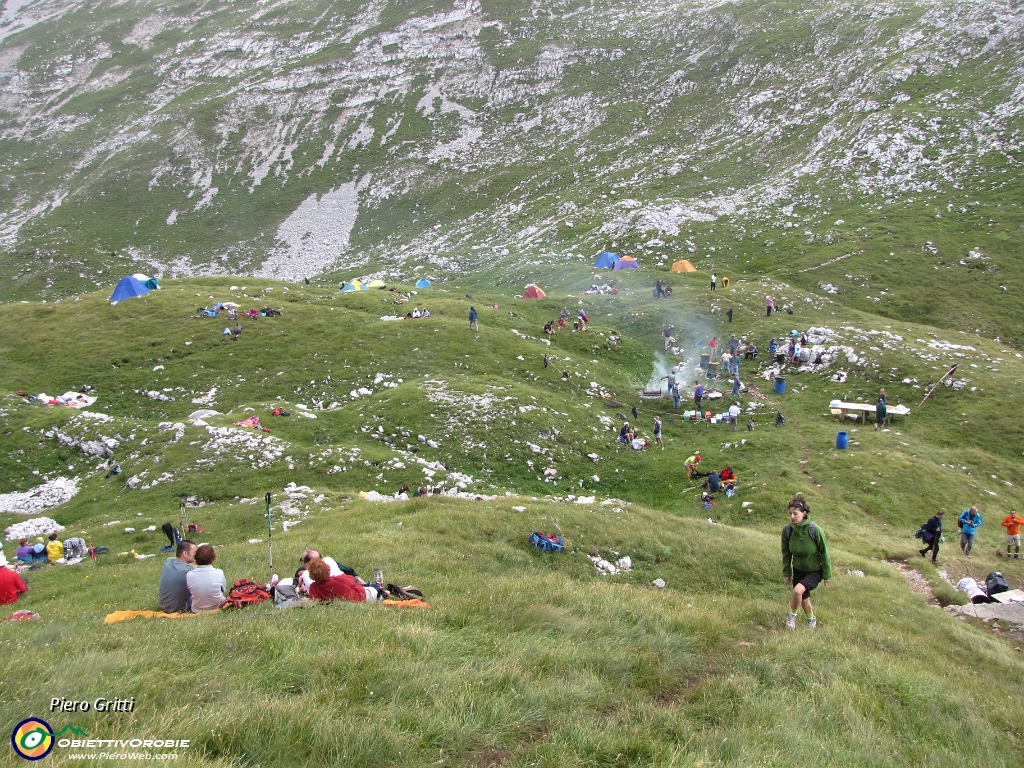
column 533, row 292
column 683, row 266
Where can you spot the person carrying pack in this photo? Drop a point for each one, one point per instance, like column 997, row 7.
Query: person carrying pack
column 805, row 560
column 969, row 522
column 931, row 534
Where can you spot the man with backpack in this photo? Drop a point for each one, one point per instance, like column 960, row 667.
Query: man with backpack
column 931, row 534
column 805, row 560
column 969, row 523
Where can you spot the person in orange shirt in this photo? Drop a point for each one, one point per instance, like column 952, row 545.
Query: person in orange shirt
column 1012, row 525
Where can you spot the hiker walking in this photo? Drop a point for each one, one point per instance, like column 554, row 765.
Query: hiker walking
column 1012, row 525
column 736, row 384
column 698, row 394
column 659, row 290
column 657, row 432
column 931, row 534
column 714, row 280
column 473, row 316
column 729, row 314
column 969, row 522
column 805, row 560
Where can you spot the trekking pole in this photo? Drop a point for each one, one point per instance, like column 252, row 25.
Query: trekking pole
column 947, row 373
column 270, row 537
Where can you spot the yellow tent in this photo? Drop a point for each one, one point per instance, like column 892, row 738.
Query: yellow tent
column 375, row 284
column 683, row 266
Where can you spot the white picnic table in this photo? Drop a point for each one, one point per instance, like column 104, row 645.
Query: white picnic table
column 840, row 409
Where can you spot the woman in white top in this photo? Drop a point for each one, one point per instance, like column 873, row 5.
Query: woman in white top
column 206, row 584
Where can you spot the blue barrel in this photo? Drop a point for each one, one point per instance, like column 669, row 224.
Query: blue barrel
column 780, row 386
column 842, row 440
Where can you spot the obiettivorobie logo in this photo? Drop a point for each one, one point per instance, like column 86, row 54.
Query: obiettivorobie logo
column 33, row 738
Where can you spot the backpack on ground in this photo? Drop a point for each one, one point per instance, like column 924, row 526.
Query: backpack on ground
column 245, row 592
column 547, row 542
column 812, row 531
column 285, row 595
column 996, row 583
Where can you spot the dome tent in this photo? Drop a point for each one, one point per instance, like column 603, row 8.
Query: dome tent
column 353, row 285
column 626, row 262
column 127, row 288
column 607, row 260
column 378, row 283
column 422, row 283
column 533, row 292
column 683, row 265
column 149, row 282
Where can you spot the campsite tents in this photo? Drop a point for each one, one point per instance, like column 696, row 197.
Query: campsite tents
column 533, row 292
column 423, row 283
column 607, row 260
column 149, row 282
column 128, row 287
column 683, row 266
column 626, row 262
column 353, row 285
column 378, row 283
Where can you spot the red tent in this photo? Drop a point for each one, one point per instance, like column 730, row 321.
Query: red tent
column 533, row 292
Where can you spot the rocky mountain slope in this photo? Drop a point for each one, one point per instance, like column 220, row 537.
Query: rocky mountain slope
column 285, row 140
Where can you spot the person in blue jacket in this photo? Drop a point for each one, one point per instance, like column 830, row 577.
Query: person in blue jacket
column 970, row 521
column 473, row 315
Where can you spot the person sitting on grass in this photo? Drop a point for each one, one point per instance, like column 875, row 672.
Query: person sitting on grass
column 805, row 560
column 174, row 596
column 206, row 584
column 11, row 586
column 626, row 433
column 24, row 552
column 54, row 549
column 342, row 587
column 549, row 328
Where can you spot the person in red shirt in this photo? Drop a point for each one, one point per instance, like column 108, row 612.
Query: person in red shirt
column 11, row 586
column 344, row 587
column 1012, row 525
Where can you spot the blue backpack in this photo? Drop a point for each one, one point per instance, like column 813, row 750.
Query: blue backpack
column 547, row 542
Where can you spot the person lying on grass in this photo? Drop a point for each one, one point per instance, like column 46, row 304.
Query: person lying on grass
column 343, row 587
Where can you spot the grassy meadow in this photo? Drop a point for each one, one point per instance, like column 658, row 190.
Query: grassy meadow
column 524, row 658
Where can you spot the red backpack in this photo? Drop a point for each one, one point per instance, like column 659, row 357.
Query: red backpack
column 244, row 592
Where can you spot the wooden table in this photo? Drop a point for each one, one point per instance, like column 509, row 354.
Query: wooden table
column 840, row 409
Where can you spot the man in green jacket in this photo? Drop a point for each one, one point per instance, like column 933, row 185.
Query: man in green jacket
column 805, row 560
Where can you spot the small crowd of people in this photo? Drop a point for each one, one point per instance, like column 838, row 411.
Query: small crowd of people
column 189, row 582
column 969, row 521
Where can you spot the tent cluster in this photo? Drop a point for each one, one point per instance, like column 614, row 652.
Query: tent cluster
column 609, row 260
column 132, row 286
column 358, row 285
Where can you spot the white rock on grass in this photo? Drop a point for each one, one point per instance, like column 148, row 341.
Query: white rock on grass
column 30, row 529
column 45, row 496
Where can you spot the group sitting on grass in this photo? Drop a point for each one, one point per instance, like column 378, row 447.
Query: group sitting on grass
column 190, row 583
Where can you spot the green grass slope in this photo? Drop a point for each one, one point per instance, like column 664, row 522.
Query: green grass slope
column 524, row 658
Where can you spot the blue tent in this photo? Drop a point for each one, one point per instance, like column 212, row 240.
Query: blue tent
column 607, row 260
column 149, row 282
column 127, row 288
column 423, row 283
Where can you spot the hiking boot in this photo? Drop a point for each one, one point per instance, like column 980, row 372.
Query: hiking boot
column 791, row 621
column 812, row 622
